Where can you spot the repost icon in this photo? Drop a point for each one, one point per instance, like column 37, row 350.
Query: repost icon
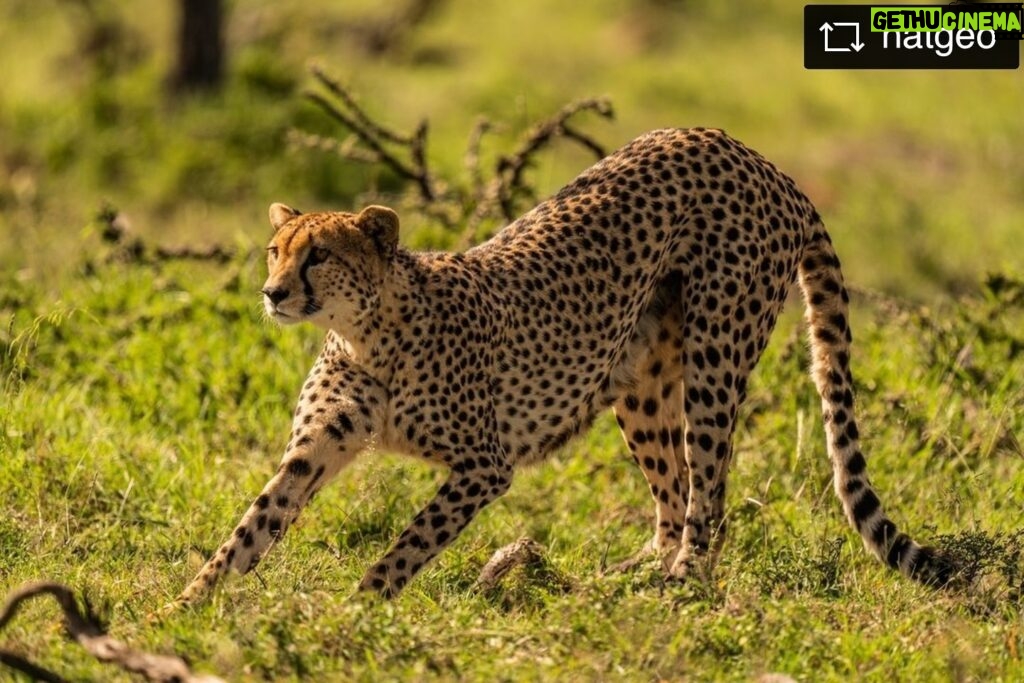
column 854, row 45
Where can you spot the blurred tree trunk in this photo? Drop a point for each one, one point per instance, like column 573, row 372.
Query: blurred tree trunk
column 200, row 61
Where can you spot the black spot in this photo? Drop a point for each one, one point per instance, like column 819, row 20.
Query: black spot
column 650, row 407
column 263, row 501
column 851, row 430
column 299, row 467
column 825, row 335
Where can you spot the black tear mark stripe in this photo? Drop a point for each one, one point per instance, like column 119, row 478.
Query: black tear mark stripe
column 307, row 286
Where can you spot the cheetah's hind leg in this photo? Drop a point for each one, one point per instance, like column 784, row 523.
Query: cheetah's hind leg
column 650, row 418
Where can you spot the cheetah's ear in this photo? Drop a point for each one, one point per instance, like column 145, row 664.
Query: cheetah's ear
column 380, row 224
column 281, row 214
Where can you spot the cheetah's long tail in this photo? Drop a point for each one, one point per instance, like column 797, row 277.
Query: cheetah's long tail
column 822, row 284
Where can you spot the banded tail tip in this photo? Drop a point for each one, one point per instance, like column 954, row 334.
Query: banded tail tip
column 935, row 569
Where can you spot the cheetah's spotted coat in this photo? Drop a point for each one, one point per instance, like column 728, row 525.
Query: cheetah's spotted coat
column 649, row 284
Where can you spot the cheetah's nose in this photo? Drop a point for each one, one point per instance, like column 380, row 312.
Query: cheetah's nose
column 276, row 294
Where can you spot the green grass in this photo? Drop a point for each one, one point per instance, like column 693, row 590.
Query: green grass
column 143, row 405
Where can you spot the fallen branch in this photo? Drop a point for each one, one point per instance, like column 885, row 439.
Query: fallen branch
column 84, row 627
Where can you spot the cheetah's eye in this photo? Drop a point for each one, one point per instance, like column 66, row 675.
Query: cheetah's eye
column 272, row 252
column 318, row 255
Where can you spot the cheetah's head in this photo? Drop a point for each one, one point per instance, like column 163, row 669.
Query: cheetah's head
column 327, row 267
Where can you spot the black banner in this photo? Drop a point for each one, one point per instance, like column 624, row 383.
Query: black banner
column 846, row 36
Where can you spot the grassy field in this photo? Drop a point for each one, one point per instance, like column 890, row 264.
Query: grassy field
column 144, row 401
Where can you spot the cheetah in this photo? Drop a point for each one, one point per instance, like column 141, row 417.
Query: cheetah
column 650, row 285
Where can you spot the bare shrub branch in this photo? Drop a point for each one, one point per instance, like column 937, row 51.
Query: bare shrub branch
column 463, row 204
column 471, row 161
column 361, row 116
column 509, row 175
column 375, row 137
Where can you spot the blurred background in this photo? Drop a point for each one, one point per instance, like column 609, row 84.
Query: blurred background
column 144, row 396
column 178, row 114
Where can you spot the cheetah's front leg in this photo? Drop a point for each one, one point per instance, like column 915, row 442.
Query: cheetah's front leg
column 338, row 413
column 475, row 481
